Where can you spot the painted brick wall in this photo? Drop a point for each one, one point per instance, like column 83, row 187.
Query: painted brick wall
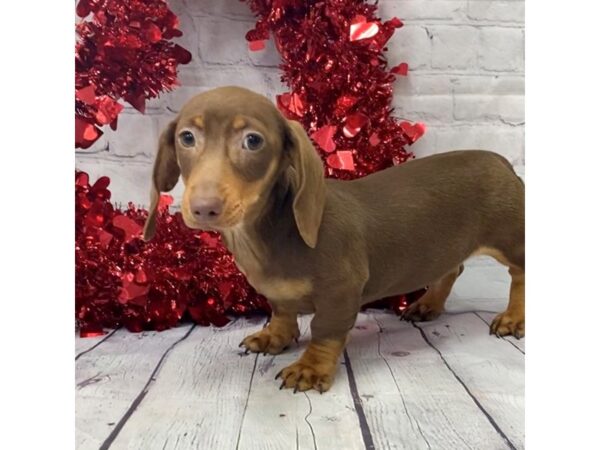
column 466, row 81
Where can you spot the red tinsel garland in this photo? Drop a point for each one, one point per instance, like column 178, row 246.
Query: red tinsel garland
column 123, row 51
column 341, row 91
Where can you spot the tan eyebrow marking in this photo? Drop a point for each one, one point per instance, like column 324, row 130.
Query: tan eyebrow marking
column 199, row 121
column 239, row 123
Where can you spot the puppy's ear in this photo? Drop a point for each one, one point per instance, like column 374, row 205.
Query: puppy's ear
column 164, row 175
column 308, row 183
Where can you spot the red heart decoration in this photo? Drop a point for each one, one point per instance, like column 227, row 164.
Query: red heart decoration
column 324, row 137
column 344, row 103
column 85, row 133
column 361, row 29
column 400, row 69
column 131, row 228
column 131, row 289
column 108, row 110
column 164, row 202
column 87, row 94
column 342, row 159
column 354, row 124
column 105, row 238
column 290, row 103
column 255, row 46
column 414, row 131
column 374, row 139
column 152, row 32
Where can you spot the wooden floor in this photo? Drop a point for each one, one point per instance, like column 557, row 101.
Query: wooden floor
column 445, row 384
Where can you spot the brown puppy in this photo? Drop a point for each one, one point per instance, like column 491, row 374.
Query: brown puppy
column 327, row 246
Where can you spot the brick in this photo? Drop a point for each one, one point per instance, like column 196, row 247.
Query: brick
column 269, row 57
column 223, row 41
column 410, row 44
column 503, row 139
column 501, row 49
column 497, row 11
column 422, row 9
column 472, row 107
column 214, row 8
column 425, row 108
column 136, row 135
column 421, row 84
column 189, row 40
column 129, row 180
column 454, row 47
column 488, row 84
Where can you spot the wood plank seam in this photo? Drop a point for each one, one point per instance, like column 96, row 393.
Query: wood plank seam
column 475, row 400
column 96, row 344
column 237, row 445
column 362, row 418
column 312, row 431
column 136, row 402
column 502, row 337
column 396, row 382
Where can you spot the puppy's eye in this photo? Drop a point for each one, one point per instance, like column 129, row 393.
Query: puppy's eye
column 187, row 139
column 253, row 141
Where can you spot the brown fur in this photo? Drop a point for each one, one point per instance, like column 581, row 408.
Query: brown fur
column 330, row 246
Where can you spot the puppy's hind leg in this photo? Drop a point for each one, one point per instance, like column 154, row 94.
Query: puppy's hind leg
column 512, row 321
column 431, row 304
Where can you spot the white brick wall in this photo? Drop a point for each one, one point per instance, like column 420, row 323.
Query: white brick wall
column 466, row 81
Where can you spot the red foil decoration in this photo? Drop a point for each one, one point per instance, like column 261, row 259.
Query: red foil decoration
column 122, row 52
column 334, row 64
column 122, row 280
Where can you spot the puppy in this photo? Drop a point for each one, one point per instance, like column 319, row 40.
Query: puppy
column 311, row 244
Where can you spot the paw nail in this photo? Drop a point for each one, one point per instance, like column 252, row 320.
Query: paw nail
column 241, row 343
column 278, row 374
column 282, row 385
column 295, row 389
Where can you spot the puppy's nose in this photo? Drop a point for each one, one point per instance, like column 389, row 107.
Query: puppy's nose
column 206, row 208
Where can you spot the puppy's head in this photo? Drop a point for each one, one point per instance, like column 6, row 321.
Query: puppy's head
column 230, row 147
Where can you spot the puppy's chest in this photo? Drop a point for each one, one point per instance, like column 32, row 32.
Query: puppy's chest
column 274, row 287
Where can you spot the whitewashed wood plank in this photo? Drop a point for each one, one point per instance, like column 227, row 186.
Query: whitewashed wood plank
column 490, row 369
column 487, row 318
column 279, row 419
column 84, row 345
column 481, row 287
column 410, row 398
column 199, row 396
column 111, row 376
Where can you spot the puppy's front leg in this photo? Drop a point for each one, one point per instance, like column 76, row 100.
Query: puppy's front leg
column 317, row 366
column 277, row 335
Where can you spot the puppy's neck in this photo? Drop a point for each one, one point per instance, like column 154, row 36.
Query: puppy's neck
column 251, row 242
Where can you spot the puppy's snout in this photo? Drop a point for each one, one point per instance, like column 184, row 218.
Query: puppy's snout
column 206, row 208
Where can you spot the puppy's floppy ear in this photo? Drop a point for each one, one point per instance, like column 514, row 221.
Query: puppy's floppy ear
column 308, row 183
column 164, row 175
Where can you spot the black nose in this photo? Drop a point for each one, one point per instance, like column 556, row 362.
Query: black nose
column 206, row 208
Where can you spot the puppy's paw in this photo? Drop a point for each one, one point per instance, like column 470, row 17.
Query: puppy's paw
column 302, row 376
column 420, row 312
column 267, row 341
column 508, row 324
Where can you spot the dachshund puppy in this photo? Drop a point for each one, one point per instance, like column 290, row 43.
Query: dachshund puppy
column 329, row 246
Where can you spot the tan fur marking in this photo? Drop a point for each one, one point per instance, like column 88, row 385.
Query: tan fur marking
column 276, row 336
column 316, row 367
column 431, row 304
column 281, row 288
column 238, row 123
column 199, row 121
